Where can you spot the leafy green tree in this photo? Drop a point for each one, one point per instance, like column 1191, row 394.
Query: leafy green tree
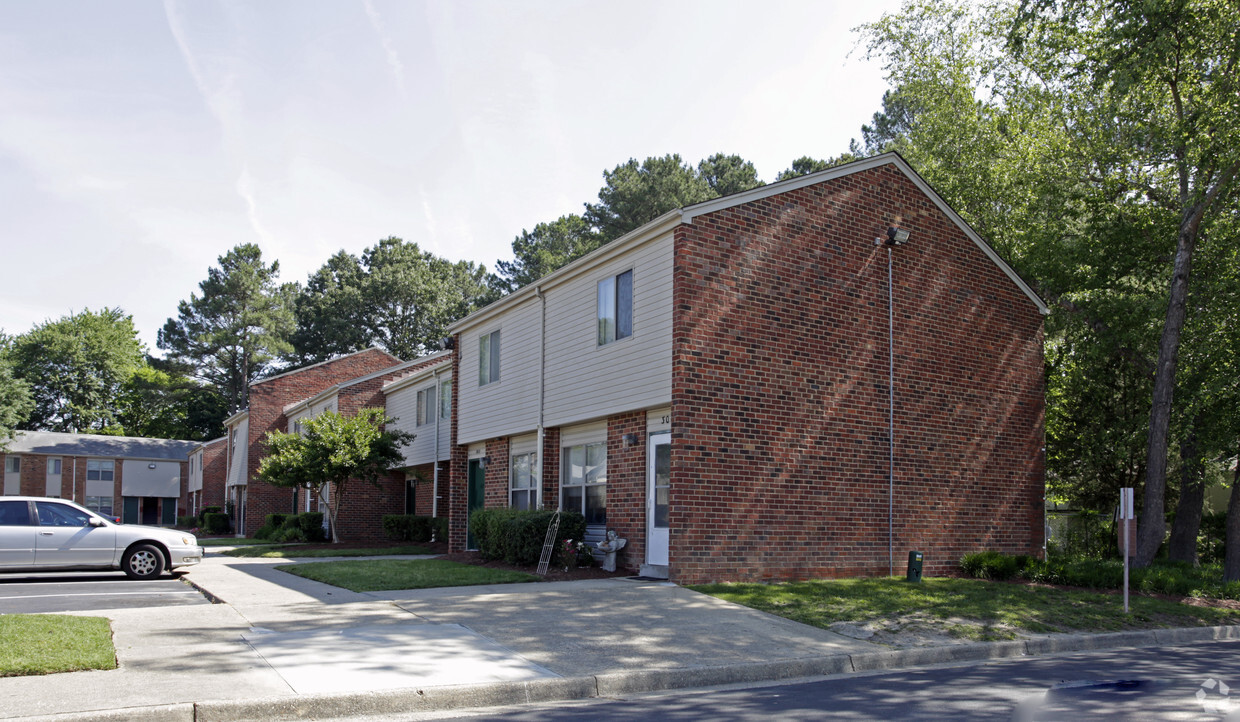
column 1165, row 79
column 237, row 326
column 15, row 400
column 728, row 174
column 75, row 367
column 635, row 193
column 162, row 404
column 396, row 297
column 332, row 451
column 806, row 165
column 410, row 296
column 548, row 247
column 330, row 313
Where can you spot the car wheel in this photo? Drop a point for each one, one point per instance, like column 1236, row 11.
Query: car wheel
column 143, row 561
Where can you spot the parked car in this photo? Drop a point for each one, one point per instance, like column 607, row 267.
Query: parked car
column 39, row 534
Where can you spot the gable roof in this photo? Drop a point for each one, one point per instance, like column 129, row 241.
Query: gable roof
column 679, row 216
column 55, row 443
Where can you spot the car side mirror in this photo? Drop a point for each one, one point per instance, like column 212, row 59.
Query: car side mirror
column 96, row 521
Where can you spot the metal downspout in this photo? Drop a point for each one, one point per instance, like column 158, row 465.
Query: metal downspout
column 891, row 425
column 435, row 473
column 542, row 380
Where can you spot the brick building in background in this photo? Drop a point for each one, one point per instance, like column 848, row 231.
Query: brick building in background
column 716, row 387
column 208, row 468
column 142, row 481
column 281, row 403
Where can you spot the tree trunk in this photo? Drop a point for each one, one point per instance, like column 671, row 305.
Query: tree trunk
column 1231, row 563
column 1183, row 544
column 1153, row 525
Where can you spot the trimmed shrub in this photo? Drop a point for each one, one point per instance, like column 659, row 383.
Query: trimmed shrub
column 992, row 565
column 412, row 528
column 187, row 522
column 271, row 524
column 311, row 525
column 215, row 523
column 288, row 535
column 517, row 537
column 202, row 513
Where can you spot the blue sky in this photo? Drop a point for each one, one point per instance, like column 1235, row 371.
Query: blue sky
column 139, row 141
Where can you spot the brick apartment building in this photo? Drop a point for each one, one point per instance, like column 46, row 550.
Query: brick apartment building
column 142, row 481
column 721, row 387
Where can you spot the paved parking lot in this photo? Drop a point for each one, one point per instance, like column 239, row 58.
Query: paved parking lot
column 90, row 591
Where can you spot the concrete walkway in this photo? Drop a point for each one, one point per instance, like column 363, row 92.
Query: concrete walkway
column 278, row 646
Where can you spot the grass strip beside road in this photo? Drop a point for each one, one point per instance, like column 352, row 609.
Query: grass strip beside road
column 965, row 608
column 380, row 575
column 297, row 551
column 49, row 643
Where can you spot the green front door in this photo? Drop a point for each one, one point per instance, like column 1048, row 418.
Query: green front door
column 130, row 514
column 477, row 490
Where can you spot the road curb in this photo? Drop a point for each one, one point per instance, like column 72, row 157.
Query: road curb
column 211, row 597
column 613, row 684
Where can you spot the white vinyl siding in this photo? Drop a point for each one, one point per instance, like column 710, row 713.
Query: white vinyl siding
column 52, row 488
column 239, row 459
column 150, row 478
column 586, row 380
column 510, row 405
column 195, row 471
column 402, row 404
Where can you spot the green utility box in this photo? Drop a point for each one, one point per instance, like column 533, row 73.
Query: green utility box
column 914, row 567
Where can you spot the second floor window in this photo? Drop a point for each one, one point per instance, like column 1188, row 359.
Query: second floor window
column 426, row 406
column 615, row 308
column 100, row 469
column 488, row 358
column 445, row 399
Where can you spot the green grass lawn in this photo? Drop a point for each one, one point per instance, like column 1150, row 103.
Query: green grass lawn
column 968, row 608
column 232, row 542
column 49, row 643
column 297, row 551
column 378, row 575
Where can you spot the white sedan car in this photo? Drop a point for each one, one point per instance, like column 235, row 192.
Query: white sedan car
column 53, row 534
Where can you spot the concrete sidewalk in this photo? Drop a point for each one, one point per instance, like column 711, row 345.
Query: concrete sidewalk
column 282, row 647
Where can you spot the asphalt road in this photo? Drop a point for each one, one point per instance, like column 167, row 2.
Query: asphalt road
column 22, row 593
column 1130, row 684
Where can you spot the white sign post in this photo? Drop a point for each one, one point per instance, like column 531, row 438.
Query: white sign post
column 1126, row 515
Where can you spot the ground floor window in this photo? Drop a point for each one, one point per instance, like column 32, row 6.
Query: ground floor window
column 584, row 488
column 522, row 491
column 101, row 505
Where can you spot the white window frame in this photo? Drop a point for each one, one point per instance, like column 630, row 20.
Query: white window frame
column 11, row 461
column 615, row 320
column 426, row 406
column 522, row 485
column 100, row 469
column 568, row 482
column 445, row 399
column 488, row 357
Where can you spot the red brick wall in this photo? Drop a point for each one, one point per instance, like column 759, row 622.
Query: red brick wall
column 780, row 388
column 266, row 413
column 214, row 468
column 551, row 469
column 626, row 485
column 458, row 477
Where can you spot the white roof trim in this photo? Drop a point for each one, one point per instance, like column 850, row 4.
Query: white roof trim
column 242, row 414
column 326, row 393
column 418, row 377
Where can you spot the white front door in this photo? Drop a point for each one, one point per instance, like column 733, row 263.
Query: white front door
column 658, row 486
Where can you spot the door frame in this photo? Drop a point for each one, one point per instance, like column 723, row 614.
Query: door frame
column 656, row 540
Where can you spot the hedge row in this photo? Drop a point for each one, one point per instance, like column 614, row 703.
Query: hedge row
column 517, row 537
column 282, row 528
column 411, row 528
